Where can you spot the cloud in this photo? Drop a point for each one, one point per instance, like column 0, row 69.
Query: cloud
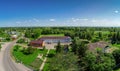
column 116, row 11
column 52, row 20
column 36, row 20
column 94, row 20
column 18, row 22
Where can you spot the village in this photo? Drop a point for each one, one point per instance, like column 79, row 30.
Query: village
column 38, row 52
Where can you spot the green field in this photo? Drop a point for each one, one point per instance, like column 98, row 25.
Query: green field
column 31, row 59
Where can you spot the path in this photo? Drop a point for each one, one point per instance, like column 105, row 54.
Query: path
column 42, row 65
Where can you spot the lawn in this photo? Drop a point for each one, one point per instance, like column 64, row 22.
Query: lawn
column 31, row 59
column 52, row 35
column 50, row 55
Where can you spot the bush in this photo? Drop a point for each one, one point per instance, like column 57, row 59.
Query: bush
column 16, row 47
column 21, row 41
column 28, row 51
column 95, row 40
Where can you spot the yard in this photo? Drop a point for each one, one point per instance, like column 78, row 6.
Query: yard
column 30, row 60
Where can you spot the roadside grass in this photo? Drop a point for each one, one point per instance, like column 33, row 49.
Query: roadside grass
column 30, row 60
column 52, row 35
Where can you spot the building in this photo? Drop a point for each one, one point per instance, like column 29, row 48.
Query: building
column 52, row 39
column 48, row 40
column 37, row 43
column 13, row 37
column 101, row 44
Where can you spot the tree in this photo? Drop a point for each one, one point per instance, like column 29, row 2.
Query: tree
column 97, row 61
column 116, row 54
column 64, row 62
column 28, row 51
column 74, row 46
column 58, row 48
column 81, row 50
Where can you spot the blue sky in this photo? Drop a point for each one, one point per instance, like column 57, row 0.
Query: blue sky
column 59, row 13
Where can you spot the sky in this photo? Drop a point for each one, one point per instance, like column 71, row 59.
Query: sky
column 23, row 13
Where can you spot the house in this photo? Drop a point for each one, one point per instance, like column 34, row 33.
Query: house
column 101, row 44
column 13, row 37
column 37, row 43
column 56, row 39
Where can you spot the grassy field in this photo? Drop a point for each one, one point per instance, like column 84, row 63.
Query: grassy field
column 31, row 59
column 52, row 35
column 50, row 55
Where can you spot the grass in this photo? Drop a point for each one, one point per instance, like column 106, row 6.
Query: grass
column 31, row 59
column 52, row 35
column 114, row 47
column 50, row 55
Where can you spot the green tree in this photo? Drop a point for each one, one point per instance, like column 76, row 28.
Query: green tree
column 74, row 46
column 97, row 62
column 58, row 47
column 64, row 62
column 81, row 50
column 28, row 51
column 116, row 54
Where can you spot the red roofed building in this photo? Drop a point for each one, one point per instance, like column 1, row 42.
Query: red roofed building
column 37, row 43
column 41, row 41
column 51, row 39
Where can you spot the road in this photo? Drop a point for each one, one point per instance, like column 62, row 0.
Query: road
column 6, row 62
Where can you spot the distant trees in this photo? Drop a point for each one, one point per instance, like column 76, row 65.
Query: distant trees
column 33, row 33
column 115, row 38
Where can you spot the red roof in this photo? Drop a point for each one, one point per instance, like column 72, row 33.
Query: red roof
column 37, row 41
column 51, row 37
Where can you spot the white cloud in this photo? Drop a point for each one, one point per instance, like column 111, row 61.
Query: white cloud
column 116, row 11
column 52, row 20
column 93, row 20
column 18, row 22
column 36, row 20
column 84, row 19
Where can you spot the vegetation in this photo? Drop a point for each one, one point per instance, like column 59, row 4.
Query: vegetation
column 28, row 56
column 0, row 46
column 78, row 52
